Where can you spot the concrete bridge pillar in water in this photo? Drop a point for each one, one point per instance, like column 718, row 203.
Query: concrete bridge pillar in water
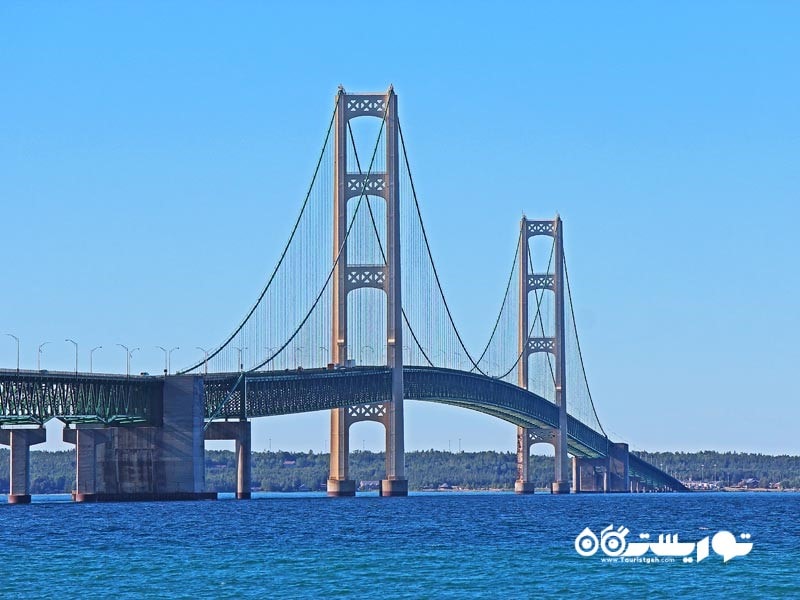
column 162, row 461
column 20, row 440
column 240, row 432
column 349, row 184
column 526, row 438
column 604, row 474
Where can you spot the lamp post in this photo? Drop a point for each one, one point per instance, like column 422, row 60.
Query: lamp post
column 128, row 354
column 371, row 349
column 39, row 355
column 90, row 356
column 16, row 339
column 240, row 349
column 205, row 359
column 127, row 358
column 296, row 360
column 271, row 357
column 166, row 367
column 324, row 354
column 169, row 358
column 76, row 352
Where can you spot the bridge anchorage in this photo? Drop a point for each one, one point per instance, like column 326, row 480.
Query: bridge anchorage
column 348, row 335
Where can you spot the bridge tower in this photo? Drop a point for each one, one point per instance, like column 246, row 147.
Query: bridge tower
column 348, row 277
column 528, row 344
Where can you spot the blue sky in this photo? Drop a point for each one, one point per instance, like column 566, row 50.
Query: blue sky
column 136, row 140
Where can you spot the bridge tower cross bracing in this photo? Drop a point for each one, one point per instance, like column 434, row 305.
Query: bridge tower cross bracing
column 527, row 345
column 348, row 277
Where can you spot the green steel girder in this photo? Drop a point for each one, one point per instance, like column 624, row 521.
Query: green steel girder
column 287, row 392
column 31, row 397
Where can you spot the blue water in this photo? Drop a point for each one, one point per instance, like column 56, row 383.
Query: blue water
column 436, row 545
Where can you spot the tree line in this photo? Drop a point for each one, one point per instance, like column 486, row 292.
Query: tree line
column 54, row 472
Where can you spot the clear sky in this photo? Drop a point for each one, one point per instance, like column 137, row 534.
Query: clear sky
column 138, row 138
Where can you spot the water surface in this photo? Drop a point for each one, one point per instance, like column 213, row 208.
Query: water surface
column 426, row 545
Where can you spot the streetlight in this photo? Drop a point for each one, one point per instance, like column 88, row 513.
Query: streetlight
column 76, row 352
column 128, row 354
column 296, row 360
column 205, row 359
column 127, row 357
column 271, row 357
column 131, row 354
column 324, row 352
column 166, row 367
column 17, row 340
column 406, row 354
column 242, row 349
column 371, row 349
column 167, row 357
column 39, row 355
column 90, row 356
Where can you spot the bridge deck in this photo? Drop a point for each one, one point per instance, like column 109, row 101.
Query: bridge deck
column 30, row 397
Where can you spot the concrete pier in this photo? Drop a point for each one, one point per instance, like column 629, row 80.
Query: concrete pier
column 338, row 482
column 605, row 474
column 157, row 462
column 20, row 440
column 523, row 483
column 394, row 487
column 618, row 468
column 240, row 432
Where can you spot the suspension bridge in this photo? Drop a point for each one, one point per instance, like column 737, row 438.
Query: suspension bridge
column 352, row 319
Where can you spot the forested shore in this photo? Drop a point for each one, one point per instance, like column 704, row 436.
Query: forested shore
column 54, row 472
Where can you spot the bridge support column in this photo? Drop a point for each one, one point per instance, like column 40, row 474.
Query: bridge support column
column 240, row 432
column 523, row 484
column 576, row 475
column 618, row 468
column 338, row 482
column 163, row 461
column 19, row 481
column 243, row 462
column 589, row 475
column 89, row 443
